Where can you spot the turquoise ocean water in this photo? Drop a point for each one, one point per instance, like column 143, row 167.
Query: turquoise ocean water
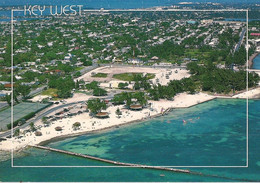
column 215, row 135
column 256, row 62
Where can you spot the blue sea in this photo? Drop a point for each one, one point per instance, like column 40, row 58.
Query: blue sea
column 256, row 62
column 113, row 3
column 107, row 4
column 215, row 135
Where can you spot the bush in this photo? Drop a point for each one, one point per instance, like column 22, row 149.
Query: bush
column 99, row 92
column 76, row 126
column 122, row 85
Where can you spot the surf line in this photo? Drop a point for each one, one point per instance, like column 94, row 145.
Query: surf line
column 133, row 165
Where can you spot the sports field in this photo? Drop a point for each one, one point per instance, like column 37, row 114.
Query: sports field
column 20, row 110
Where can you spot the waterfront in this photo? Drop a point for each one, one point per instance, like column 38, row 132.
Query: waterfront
column 112, row 121
column 256, row 62
column 216, row 138
column 172, row 141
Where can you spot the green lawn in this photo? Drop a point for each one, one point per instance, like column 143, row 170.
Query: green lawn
column 100, row 75
column 130, row 76
column 78, row 68
column 50, row 92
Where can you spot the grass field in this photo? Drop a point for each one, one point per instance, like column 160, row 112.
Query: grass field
column 79, row 68
column 20, row 110
column 130, row 76
column 51, row 92
column 100, row 75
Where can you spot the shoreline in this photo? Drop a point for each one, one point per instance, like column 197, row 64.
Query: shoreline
column 166, row 112
column 160, row 108
column 103, row 130
column 251, row 58
column 141, row 116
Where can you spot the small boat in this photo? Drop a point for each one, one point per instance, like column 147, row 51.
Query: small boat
column 184, row 121
column 162, row 175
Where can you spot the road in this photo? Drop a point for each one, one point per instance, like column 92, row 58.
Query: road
column 37, row 90
column 88, row 69
column 240, row 40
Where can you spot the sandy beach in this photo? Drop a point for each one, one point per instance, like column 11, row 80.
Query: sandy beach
column 91, row 124
column 251, row 94
column 251, row 58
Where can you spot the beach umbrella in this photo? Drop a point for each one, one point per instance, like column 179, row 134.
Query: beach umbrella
column 58, row 128
column 136, row 107
column 102, row 115
column 38, row 133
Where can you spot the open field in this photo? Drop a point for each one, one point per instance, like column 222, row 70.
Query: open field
column 130, row 76
column 20, row 110
column 50, row 92
column 124, row 73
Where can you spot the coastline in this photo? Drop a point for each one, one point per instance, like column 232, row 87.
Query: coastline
column 160, row 108
column 102, row 130
column 251, row 58
column 166, row 112
column 130, row 117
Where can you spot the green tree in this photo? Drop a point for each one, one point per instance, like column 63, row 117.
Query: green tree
column 87, row 63
column 32, row 127
column 24, row 90
column 119, row 99
column 92, row 85
column 141, row 98
column 45, row 120
column 7, row 55
column 122, row 85
column 8, row 99
column 64, row 85
column 17, row 132
column 118, row 112
column 76, row 126
column 99, row 92
column 96, row 105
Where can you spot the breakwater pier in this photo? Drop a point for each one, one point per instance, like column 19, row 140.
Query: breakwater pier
column 135, row 165
column 109, row 161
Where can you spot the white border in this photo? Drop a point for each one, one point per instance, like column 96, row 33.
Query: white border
column 137, row 10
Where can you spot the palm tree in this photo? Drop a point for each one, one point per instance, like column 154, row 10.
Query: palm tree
column 32, row 127
column 118, row 112
column 17, row 132
column 76, row 126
